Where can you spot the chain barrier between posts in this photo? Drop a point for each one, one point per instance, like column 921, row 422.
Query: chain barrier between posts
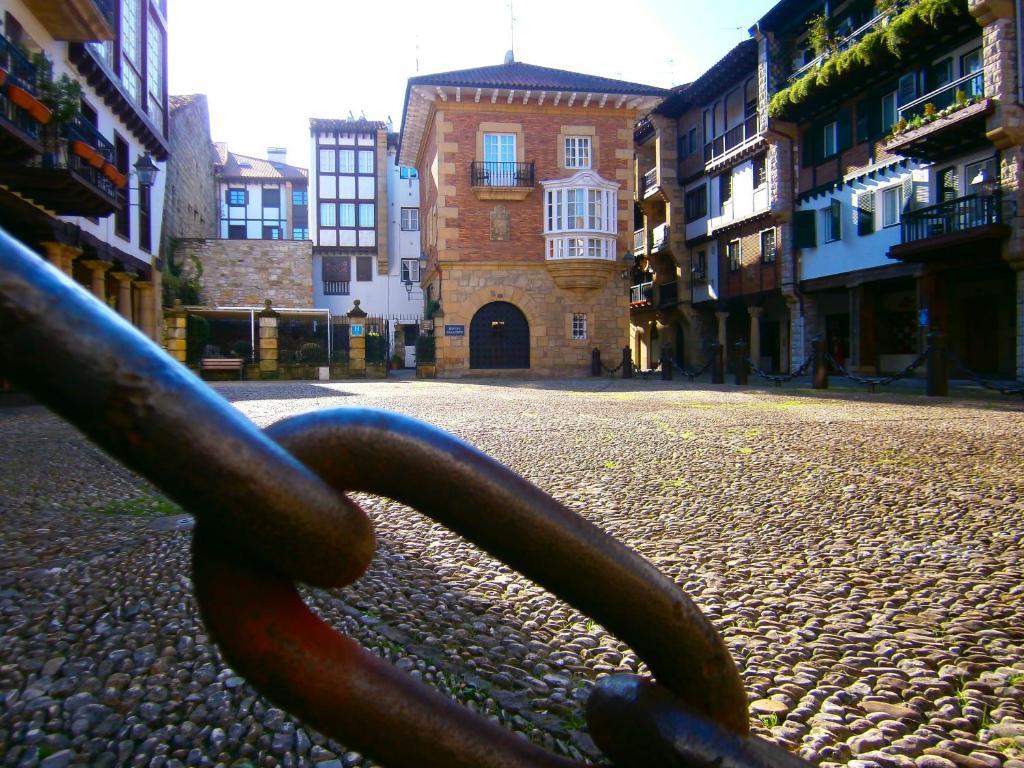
column 271, row 510
column 780, row 379
column 881, row 381
column 1016, row 389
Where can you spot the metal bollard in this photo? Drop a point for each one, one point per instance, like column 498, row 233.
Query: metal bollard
column 742, row 364
column 820, row 364
column 666, row 363
column 718, row 366
column 595, row 362
column 627, row 364
column 938, row 365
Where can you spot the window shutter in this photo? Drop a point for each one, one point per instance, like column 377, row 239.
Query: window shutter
column 865, row 213
column 908, row 195
column 337, row 269
column 804, row 229
column 844, row 127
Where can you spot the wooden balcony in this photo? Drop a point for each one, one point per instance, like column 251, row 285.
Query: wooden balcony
column 76, row 21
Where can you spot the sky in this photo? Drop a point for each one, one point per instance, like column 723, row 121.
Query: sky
column 267, row 66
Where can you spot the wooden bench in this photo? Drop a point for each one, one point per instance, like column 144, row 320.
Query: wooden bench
column 223, row 364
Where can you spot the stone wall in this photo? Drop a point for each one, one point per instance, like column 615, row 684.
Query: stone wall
column 247, row 272
column 190, row 202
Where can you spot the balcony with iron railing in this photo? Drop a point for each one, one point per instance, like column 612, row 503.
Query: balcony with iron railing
column 734, row 139
column 965, row 221
column 21, row 114
column 641, row 295
column 77, row 21
column 944, row 122
column 74, row 175
column 499, row 180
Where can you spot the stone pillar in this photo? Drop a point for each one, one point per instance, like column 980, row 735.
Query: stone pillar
column 99, row 277
column 268, row 341
column 124, row 293
column 176, row 332
column 722, row 317
column 144, row 308
column 755, row 334
column 357, row 340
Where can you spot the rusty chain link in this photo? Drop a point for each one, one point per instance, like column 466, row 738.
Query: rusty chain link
column 270, row 510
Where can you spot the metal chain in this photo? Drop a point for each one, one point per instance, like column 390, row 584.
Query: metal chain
column 983, row 382
column 691, row 375
column 779, row 379
column 883, row 380
column 271, row 509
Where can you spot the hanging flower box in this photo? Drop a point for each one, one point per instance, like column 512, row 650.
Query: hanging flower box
column 116, row 178
column 87, row 153
column 22, row 98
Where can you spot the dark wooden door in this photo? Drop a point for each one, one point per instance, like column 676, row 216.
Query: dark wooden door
column 499, row 337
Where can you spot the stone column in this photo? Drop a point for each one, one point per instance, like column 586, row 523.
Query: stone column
column 175, row 332
column 144, row 308
column 357, row 343
column 124, row 293
column 99, row 277
column 722, row 317
column 755, row 334
column 268, row 342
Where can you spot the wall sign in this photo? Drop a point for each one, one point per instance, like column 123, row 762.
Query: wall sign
column 455, row 330
column 356, row 330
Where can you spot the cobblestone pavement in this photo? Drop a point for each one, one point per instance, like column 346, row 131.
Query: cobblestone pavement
column 860, row 554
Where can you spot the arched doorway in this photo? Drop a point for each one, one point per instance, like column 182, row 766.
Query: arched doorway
column 499, row 337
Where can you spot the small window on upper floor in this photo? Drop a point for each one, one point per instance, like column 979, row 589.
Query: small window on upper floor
column 577, row 151
column 829, row 139
column 410, row 219
column 406, row 172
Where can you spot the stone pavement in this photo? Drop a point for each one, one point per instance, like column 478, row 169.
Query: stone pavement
column 861, row 555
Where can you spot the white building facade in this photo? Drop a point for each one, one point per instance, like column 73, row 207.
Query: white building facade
column 70, row 189
column 364, row 213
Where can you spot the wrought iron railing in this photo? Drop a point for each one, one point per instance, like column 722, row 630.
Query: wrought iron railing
column 735, row 137
column 650, row 180
column 336, row 287
column 659, row 238
column 959, row 215
column 969, row 87
column 639, row 242
column 641, row 293
column 491, row 173
column 668, row 295
column 21, row 72
column 17, row 65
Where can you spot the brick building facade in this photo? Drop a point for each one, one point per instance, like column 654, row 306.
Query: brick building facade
column 527, row 207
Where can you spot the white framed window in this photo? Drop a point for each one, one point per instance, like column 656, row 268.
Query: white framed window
column 366, row 216
column 328, row 215
column 832, row 222
column 577, row 151
column 829, row 139
column 328, row 161
column 891, row 205
column 410, row 219
column 365, row 162
column 889, row 114
column 410, row 270
column 579, row 325
column 348, row 215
